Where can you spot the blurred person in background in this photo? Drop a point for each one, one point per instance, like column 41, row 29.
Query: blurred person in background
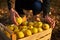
column 35, row 5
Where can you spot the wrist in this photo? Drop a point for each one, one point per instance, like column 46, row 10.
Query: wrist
column 11, row 11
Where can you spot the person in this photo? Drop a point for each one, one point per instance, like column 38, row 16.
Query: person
column 35, row 5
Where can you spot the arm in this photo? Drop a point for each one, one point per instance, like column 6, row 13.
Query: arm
column 46, row 7
column 46, row 10
column 13, row 13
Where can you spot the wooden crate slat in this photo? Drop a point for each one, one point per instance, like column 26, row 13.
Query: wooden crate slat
column 46, row 37
column 44, row 33
column 38, row 35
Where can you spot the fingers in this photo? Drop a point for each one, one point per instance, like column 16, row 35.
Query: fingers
column 13, row 17
column 51, row 21
column 14, row 20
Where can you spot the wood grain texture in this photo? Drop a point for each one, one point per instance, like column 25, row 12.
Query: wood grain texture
column 41, row 35
column 46, row 37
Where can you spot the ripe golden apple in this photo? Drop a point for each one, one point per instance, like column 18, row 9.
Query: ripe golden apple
column 16, row 30
column 24, row 23
column 23, row 28
column 46, row 26
column 40, row 29
column 11, row 28
column 39, row 24
column 20, row 34
column 30, row 27
column 34, row 30
column 19, row 20
column 28, row 32
column 7, row 34
column 31, row 23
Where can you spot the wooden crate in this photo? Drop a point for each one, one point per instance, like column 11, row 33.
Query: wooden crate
column 45, row 35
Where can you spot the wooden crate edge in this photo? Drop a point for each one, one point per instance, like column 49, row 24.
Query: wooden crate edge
column 36, row 36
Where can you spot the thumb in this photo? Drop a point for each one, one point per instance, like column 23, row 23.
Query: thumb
column 14, row 21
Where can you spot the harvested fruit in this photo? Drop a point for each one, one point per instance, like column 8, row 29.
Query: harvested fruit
column 27, row 28
column 40, row 29
column 19, row 20
column 7, row 34
column 11, row 28
column 39, row 24
column 46, row 26
column 20, row 34
column 28, row 33
column 25, row 23
column 16, row 27
column 23, row 28
column 16, row 30
column 31, row 23
column 35, row 24
column 30, row 27
column 34, row 30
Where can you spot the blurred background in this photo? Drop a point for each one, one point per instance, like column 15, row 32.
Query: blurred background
column 55, row 9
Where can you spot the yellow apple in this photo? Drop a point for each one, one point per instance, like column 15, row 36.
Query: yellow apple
column 30, row 27
column 16, row 30
column 7, row 34
column 28, row 33
column 19, row 20
column 31, row 23
column 11, row 28
column 39, row 24
column 24, row 23
column 46, row 26
column 23, row 28
column 40, row 29
column 34, row 30
column 20, row 34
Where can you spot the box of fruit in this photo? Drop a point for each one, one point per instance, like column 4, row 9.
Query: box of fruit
column 28, row 31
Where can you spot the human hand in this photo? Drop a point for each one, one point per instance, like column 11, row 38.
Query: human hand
column 36, row 18
column 50, row 21
column 13, row 15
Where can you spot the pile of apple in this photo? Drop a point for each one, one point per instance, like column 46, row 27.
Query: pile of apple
column 27, row 28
